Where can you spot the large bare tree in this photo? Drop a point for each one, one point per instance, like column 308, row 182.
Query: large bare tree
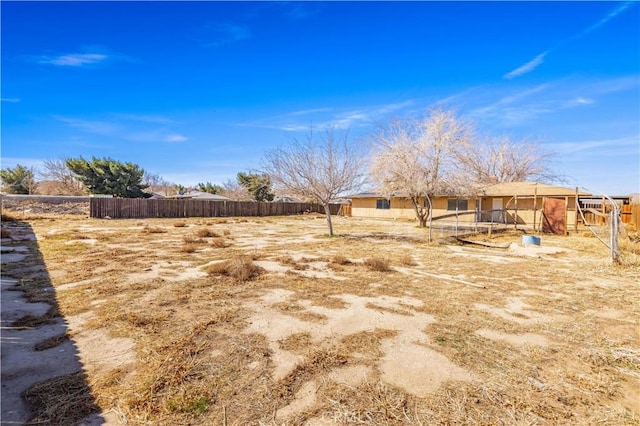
column 63, row 181
column 494, row 160
column 321, row 167
column 416, row 158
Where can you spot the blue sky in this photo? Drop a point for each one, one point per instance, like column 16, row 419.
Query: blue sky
column 197, row 91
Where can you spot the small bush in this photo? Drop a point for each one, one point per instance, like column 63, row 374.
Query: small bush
column 180, row 224
column 188, row 248
column 240, row 268
column 340, row 260
column 226, row 232
column 220, row 242
column 207, row 233
column 192, row 240
column 377, row 264
column 153, row 230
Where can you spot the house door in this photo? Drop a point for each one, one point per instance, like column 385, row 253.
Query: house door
column 496, row 216
column 553, row 216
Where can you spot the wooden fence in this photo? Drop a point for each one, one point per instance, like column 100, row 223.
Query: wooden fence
column 140, row 208
column 631, row 214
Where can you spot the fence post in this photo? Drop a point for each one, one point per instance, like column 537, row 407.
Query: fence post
column 615, row 250
column 456, row 218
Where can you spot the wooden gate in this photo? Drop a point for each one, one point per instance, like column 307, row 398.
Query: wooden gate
column 554, row 212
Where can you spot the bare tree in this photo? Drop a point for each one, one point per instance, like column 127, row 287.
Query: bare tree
column 495, row 160
column 416, row 158
column 63, row 180
column 233, row 190
column 320, row 168
column 158, row 184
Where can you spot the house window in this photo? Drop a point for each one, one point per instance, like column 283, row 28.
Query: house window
column 452, row 203
column 383, row 204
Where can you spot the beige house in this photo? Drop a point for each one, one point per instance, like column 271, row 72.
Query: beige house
column 532, row 205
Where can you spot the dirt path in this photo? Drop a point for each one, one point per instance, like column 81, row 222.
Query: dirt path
column 23, row 327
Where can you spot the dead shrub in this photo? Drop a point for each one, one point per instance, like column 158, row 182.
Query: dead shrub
column 192, row 240
column 340, row 260
column 220, row 242
column 180, row 224
column 189, row 248
column 5, row 233
column 207, row 233
column 377, row 264
column 241, row 268
column 226, row 232
column 153, row 230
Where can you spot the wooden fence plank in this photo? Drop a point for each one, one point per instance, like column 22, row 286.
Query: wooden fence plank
column 139, row 208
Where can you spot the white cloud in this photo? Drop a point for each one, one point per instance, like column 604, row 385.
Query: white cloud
column 528, row 67
column 174, row 137
column 615, row 12
column 538, row 60
column 74, row 59
column 583, row 101
column 324, row 118
column 10, row 100
column 91, row 126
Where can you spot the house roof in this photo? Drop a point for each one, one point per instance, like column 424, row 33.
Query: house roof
column 507, row 189
column 202, row 196
column 366, row 195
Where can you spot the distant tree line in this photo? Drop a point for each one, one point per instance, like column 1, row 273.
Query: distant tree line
column 439, row 153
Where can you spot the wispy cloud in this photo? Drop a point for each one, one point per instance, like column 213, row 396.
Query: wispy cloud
column 130, row 127
column 174, row 137
column 539, row 59
column 159, row 119
column 528, row 67
column 611, row 145
column 225, row 33
column 323, row 118
column 10, row 100
column 615, row 12
column 98, row 127
column 299, row 10
column 582, row 101
column 74, row 59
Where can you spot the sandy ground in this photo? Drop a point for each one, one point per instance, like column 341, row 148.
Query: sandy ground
column 518, row 311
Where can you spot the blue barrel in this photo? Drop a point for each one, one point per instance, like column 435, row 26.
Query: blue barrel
column 530, row 239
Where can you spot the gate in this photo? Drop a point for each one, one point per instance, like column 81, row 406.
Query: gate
column 554, row 212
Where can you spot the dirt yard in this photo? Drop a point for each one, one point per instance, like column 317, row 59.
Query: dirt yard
column 270, row 321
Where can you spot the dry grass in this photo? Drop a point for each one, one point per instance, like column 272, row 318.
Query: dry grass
column 377, row 264
column 180, row 224
column 240, row 268
column 220, row 242
column 63, row 400
column 187, row 239
column 52, row 342
column 198, row 363
column 153, row 230
column 207, row 233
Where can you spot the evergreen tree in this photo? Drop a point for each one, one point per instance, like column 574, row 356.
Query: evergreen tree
column 108, row 176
